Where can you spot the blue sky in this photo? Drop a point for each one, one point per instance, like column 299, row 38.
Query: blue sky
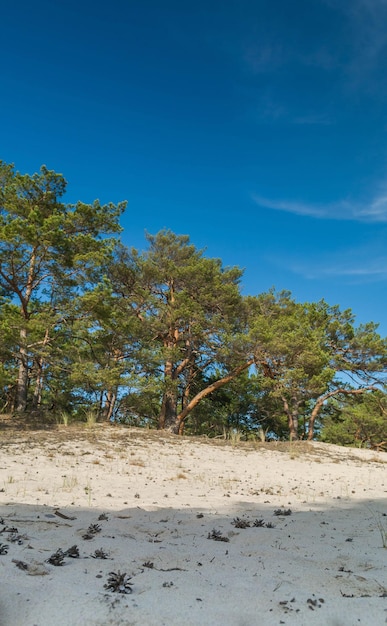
column 256, row 127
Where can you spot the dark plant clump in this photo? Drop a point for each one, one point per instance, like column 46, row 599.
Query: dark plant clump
column 283, row 512
column 3, row 548
column 216, row 535
column 103, row 517
column 269, row 525
column 148, row 564
column 73, row 552
column 87, row 536
column 119, row 583
column 93, row 530
column 57, row 558
column 99, row 554
column 259, row 523
column 240, row 523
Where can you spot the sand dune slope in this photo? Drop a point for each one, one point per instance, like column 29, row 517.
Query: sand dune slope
column 191, row 531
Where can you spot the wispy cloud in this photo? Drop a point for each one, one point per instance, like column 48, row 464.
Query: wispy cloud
column 375, row 210
column 356, row 272
column 351, row 265
column 298, row 208
column 346, row 266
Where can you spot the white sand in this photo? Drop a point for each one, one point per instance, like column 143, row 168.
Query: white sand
column 162, row 497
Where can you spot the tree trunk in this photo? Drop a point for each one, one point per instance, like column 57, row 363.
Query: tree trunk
column 37, row 397
column 168, row 413
column 178, row 427
column 185, row 397
column 316, row 410
column 22, row 379
column 293, row 427
column 320, row 402
column 110, row 402
column 292, row 416
column 39, row 379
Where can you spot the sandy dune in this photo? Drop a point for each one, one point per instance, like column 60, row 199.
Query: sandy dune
column 206, row 532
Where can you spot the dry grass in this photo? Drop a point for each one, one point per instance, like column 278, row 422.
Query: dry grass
column 54, row 437
column 137, row 462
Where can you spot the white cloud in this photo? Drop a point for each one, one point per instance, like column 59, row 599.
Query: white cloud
column 373, row 211
column 297, row 208
column 354, row 266
column 357, row 272
column 377, row 210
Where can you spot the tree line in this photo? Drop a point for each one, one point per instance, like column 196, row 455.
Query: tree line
column 164, row 338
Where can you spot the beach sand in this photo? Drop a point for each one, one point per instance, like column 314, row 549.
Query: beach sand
column 196, row 531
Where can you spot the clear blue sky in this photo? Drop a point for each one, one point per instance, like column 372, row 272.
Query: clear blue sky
column 256, row 127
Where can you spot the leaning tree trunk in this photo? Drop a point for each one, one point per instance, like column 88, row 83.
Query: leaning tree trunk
column 320, row 403
column 185, row 398
column 180, row 419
